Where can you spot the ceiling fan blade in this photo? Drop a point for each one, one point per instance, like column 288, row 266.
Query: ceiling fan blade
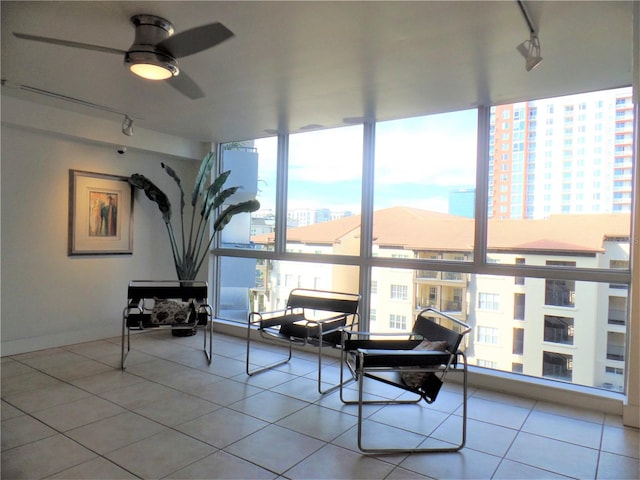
column 195, row 40
column 185, row 85
column 68, row 43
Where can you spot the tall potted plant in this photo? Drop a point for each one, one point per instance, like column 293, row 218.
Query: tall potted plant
column 191, row 248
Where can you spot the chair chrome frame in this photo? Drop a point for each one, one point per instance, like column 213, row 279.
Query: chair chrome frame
column 366, row 356
column 136, row 315
column 309, row 317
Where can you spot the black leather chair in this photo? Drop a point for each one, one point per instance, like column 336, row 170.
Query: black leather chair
column 417, row 362
column 311, row 317
column 180, row 305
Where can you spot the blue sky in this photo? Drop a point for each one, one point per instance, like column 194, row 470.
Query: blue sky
column 418, row 162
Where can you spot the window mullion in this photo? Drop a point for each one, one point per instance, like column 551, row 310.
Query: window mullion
column 282, row 177
column 366, row 219
column 482, row 186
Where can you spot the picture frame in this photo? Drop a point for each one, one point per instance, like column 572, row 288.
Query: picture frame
column 100, row 214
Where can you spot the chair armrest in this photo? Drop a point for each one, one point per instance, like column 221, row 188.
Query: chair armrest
column 137, row 306
column 274, row 318
column 360, row 333
column 262, row 315
column 317, row 321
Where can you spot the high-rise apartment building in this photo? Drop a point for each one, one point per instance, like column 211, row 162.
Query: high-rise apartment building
column 561, row 155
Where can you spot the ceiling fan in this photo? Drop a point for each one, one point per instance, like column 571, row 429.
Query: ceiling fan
column 155, row 49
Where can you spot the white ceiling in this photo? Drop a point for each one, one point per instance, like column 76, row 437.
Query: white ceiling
column 296, row 65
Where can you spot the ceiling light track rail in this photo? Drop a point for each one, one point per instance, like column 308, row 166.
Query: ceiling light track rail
column 526, row 16
column 66, row 98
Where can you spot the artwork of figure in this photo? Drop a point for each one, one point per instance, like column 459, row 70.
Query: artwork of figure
column 103, row 214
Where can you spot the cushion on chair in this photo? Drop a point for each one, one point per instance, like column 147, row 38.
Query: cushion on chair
column 167, row 312
column 418, row 379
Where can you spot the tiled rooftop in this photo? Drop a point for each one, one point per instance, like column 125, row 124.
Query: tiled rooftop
column 418, row 229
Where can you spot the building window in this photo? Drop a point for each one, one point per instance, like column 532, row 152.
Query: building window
column 617, row 312
column 456, row 304
column 517, row 367
column 518, row 341
column 399, row 292
column 615, row 346
column 558, row 329
column 561, row 293
column 487, row 363
column 518, row 306
column 398, row 322
column 433, row 295
column 489, row 301
column 519, row 280
column 488, row 335
column 618, row 265
column 557, row 365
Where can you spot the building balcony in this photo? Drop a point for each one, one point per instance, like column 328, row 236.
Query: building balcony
column 426, row 274
column 452, row 276
column 615, row 355
column 452, row 306
column 617, row 316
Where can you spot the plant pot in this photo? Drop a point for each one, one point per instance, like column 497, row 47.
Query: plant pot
column 184, row 332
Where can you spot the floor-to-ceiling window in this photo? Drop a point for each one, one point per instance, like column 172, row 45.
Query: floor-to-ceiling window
column 559, row 203
column 515, row 218
column 423, row 211
column 324, row 185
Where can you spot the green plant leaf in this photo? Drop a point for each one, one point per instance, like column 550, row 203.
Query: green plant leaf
column 154, row 194
column 172, row 173
column 228, row 213
column 213, row 189
column 203, row 176
column 214, row 202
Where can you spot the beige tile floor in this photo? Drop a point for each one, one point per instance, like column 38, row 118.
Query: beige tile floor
column 71, row 413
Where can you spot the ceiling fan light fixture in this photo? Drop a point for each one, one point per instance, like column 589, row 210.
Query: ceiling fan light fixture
column 151, row 65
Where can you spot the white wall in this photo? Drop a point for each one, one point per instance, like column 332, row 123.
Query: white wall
column 48, row 298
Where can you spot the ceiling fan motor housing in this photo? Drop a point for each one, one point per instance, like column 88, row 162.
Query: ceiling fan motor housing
column 150, row 31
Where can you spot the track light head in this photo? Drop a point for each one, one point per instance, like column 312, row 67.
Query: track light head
column 127, row 126
column 530, row 50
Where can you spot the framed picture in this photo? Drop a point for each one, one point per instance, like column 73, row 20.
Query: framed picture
column 100, row 214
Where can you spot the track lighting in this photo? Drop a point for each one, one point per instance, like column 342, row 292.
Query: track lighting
column 127, row 126
column 530, row 50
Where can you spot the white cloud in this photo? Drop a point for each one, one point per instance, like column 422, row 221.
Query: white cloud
column 326, row 156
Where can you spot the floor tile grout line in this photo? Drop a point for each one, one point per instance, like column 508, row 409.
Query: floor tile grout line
column 513, row 441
